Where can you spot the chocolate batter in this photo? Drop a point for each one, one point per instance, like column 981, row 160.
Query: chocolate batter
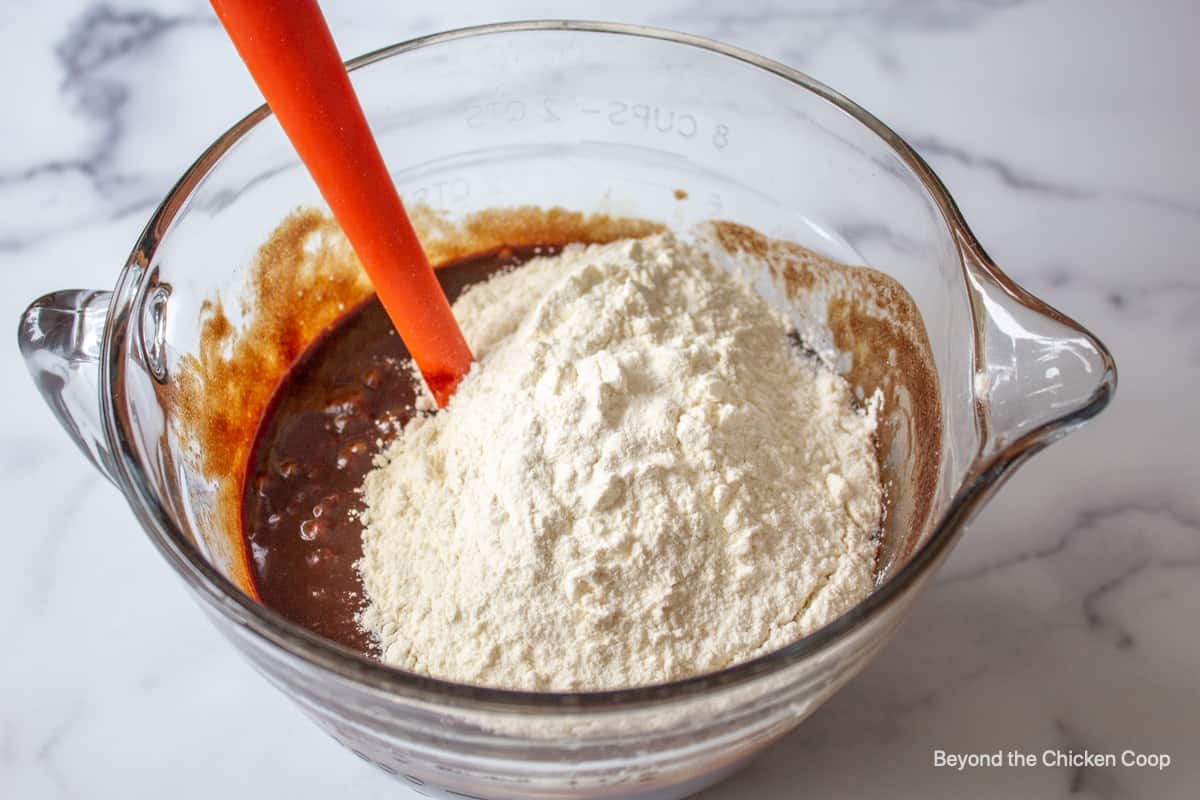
column 351, row 391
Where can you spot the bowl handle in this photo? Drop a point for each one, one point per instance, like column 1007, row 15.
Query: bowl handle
column 60, row 336
column 1038, row 374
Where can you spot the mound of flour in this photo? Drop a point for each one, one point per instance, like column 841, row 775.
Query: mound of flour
column 639, row 480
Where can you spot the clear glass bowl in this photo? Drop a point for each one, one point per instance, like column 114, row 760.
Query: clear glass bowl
column 593, row 117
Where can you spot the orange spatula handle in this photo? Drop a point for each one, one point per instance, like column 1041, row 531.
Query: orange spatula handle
column 293, row 59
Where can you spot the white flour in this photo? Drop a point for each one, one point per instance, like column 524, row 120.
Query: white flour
column 639, row 480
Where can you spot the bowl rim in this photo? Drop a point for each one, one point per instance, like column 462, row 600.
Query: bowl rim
column 264, row 623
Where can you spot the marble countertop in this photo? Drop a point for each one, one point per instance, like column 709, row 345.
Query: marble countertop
column 1066, row 618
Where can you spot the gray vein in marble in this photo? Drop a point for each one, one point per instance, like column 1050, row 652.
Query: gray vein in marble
column 140, row 206
column 1090, row 781
column 930, row 699
column 1091, row 612
column 1119, row 294
column 1098, row 620
column 934, row 148
column 935, row 15
column 813, row 42
column 860, row 232
column 1164, row 203
column 869, row 23
column 1085, row 520
column 220, row 199
column 100, row 37
column 1070, row 742
column 1133, row 287
column 45, row 753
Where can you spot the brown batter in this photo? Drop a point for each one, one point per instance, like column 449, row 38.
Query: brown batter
column 351, row 390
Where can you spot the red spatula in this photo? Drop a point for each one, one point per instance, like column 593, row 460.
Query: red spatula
column 290, row 53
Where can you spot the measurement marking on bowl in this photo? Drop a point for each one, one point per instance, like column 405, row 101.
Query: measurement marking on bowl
column 649, row 118
column 440, row 193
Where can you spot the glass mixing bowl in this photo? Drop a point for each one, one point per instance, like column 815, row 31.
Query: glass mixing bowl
column 599, row 118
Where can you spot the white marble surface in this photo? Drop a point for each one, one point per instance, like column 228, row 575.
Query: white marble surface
column 1065, row 619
